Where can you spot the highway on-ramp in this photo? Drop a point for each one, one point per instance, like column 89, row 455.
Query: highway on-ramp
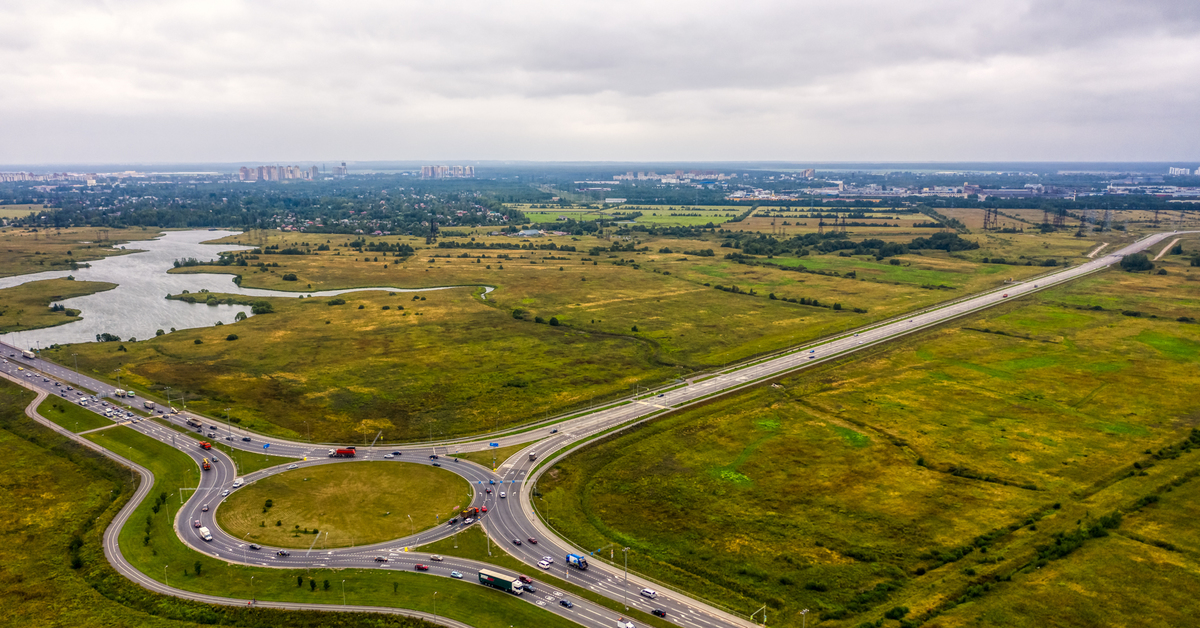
column 509, row 519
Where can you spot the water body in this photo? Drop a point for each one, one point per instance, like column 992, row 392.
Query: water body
column 137, row 306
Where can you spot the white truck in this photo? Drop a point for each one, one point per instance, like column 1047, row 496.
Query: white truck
column 237, row 483
column 205, row 534
column 29, row 354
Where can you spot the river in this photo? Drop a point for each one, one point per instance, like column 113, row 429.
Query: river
column 136, row 307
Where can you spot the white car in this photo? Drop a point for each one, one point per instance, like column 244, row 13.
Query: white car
column 548, row 560
column 502, row 494
column 293, row 466
column 650, row 593
column 225, row 493
column 388, row 456
column 543, row 564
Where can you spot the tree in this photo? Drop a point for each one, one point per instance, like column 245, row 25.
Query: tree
column 261, row 307
column 159, row 332
column 1136, row 262
column 289, row 277
column 312, row 585
column 634, row 328
column 554, row 322
column 197, row 342
column 241, row 316
column 299, row 581
column 231, row 337
column 326, row 585
column 197, row 566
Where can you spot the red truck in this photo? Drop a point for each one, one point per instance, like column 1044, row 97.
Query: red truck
column 205, row 445
column 342, row 453
column 206, row 466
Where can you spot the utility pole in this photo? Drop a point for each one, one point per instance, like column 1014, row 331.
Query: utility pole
column 228, row 424
column 625, row 589
column 76, row 356
column 343, row 592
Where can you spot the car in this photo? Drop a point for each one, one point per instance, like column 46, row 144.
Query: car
column 525, row 579
column 395, row 453
column 452, row 521
column 69, row 388
column 255, row 546
column 658, row 612
column 204, row 508
column 548, row 559
column 212, row 434
column 491, row 481
column 529, row 588
column 283, row 553
column 543, row 564
column 225, row 493
column 420, row 567
column 228, row 438
column 650, row 593
column 663, row 395
column 245, row 439
column 437, row 558
column 1005, row 295
column 433, row 456
column 532, row 541
column 516, row 541
column 468, row 521
column 381, row 559
column 566, row 603
column 293, row 466
column 483, row 509
column 196, row 523
column 502, row 495
column 389, row 456
column 456, row 575
column 437, row 464
column 489, row 491
column 554, row 431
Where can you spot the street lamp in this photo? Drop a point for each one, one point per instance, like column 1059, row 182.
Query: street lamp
column 76, row 356
column 435, row 603
column 244, row 559
column 228, row 425
column 251, row 588
column 343, row 592
column 165, row 575
column 804, row 615
column 411, row 528
column 625, row 589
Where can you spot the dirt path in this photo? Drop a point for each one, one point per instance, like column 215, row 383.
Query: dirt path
column 1097, row 249
column 1166, row 248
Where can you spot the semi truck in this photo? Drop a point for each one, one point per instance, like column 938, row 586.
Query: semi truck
column 205, row 534
column 205, row 445
column 500, row 581
column 341, row 453
column 577, row 561
column 194, row 423
column 205, row 465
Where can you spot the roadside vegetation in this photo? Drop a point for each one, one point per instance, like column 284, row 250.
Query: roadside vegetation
column 347, row 504
column 929, row 474
column 37, row 304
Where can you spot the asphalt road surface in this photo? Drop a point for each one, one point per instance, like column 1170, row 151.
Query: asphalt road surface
column 508, row 519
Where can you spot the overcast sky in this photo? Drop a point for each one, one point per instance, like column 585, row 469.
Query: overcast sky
column 226, row 80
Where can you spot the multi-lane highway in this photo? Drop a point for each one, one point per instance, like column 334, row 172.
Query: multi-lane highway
column 511, row 518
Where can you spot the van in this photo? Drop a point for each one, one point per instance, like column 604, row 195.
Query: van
column 238, row 483
column 205, row 534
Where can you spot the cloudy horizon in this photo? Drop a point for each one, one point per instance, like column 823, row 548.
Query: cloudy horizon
column 230, row 81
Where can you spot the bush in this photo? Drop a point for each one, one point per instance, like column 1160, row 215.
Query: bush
column 241, row 316
column 554, row 322
column 336, row 302
column 159, row 332
column 197, row 342
column 634, row 328
column 261, row 307
column 231, row 337
column 896, row 612
column 289, row 277
column 1136, row 262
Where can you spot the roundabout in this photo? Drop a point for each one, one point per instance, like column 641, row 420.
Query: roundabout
column 344, row 504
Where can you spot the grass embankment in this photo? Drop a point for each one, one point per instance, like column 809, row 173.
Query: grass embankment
column 493, row 457
column 458, row 600
column 35, row 250
column 71, row 415
column 848, row 489
column 469, row 365
column 355, row 503
column 27, row 306
column 244, row 461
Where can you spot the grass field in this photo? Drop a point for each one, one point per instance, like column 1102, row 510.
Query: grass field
column 27, row 306
column 71, row 415
column 458, row 600
column 349, row 504
column 849, row 489
column 308, row 357
column 495, row 455
column 20, row 211
column 36, row 250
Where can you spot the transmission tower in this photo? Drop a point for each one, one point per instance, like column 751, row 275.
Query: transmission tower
column 1155, row 216
column 1059, row 217
column 1107, row 220
column 821, row 225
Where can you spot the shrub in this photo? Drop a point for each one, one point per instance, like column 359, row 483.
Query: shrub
column 262, row 307
column 289, row 277
column 159, row 332
column 336, row 301
column 1136, row 262
column 634, row 328
column 896, row 612
column 197, row 342
column 231, row 337
column 554, row 322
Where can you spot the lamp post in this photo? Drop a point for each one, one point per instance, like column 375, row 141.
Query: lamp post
column 625, row 589
column 228, row 424
column 343, row 592
column 251, row 588
column 244, row 549
column 411, row 528
column 165, row 575
column 804, row 615
column 435, row 603
column 76, row 356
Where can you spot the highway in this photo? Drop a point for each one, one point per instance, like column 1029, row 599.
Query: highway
column 511, row 518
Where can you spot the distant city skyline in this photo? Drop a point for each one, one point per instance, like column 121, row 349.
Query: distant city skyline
column 867, row 80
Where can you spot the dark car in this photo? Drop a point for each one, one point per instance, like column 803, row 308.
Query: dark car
column 658, row 613
column 255, row 546
column 525, row 579
column 395, row 453
column 489, row 491
column 433, row 456
column 437, row 464
column 516, row 541
column 283, row 553
column 529, row 588
column 491, row 481
column 420, row 567
column 246, row 439
column 381, row 559
column 532, row 541
column 452, row 521
column 566, row 603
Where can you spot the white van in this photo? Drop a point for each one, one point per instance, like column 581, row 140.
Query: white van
column 238, row 483
column 650, row 593
column 205, row 534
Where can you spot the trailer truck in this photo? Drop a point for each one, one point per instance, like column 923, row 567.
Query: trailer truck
column 500, row 581
column 341, row 453
column 149, row 405
column 29, row 354
column 577, row 561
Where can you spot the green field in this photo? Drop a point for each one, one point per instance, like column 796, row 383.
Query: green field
column 27, row 306
column 849, row 489
column 332, row 365
column 35, row 250
column 71, row 415
column 20, row 211
column 348, row 504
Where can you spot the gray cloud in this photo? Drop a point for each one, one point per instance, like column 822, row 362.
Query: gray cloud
column 232, row 80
